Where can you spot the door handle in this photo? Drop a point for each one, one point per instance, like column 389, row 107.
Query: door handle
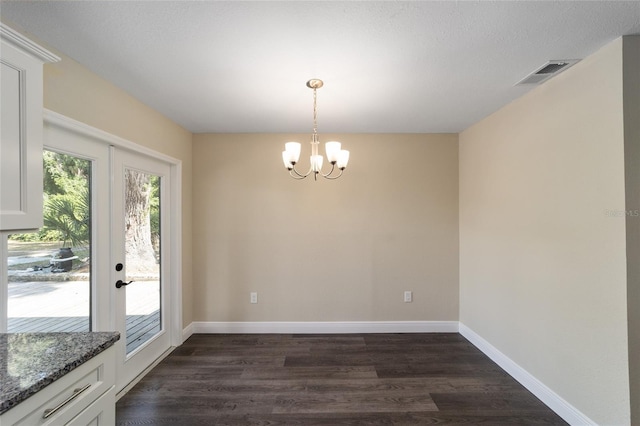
column 76, row 393
column 121, row 283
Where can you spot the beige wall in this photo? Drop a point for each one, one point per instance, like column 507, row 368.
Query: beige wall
column 72, row 90
column 542, row 248
column 631, row 70
column 340, row 250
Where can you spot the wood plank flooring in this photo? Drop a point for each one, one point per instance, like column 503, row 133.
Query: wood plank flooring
column 345, row 379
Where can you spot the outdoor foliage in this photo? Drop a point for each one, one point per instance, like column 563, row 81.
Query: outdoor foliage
column 66, row 201
column 66, row 218
column 154, row 213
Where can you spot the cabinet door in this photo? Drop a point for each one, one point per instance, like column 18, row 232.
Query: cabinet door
column 21, row 106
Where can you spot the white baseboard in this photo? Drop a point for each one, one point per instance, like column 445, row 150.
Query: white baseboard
column 325, row 327
column 187, row 332
column 565, row 410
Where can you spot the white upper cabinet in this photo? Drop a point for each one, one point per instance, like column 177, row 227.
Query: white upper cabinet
column 21, row 105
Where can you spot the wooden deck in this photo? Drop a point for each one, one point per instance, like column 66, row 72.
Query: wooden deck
column 140, row 328
column 51, row 300
column 47, row 324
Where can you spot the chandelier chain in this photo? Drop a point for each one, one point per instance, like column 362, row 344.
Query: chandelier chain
column 315, row 112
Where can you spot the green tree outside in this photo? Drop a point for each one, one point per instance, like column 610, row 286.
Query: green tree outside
column 66, row 192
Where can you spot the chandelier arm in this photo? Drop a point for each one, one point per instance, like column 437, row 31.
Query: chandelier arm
column 301, row 176
column 296, row 177
column 333, row 177
column 333, row 166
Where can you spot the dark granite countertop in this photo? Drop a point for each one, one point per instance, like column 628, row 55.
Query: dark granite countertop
column 31, row 361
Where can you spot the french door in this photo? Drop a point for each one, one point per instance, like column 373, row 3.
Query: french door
column 140, row 246
column 133, row 257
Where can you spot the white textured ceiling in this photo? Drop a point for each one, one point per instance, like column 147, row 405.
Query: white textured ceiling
column 215, row 66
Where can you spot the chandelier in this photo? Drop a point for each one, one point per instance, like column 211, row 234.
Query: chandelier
column 336, row 156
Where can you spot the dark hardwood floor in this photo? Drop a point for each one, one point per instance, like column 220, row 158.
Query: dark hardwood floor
column 345, row 379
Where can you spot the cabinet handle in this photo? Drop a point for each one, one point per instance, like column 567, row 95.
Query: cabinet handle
column 76, row 393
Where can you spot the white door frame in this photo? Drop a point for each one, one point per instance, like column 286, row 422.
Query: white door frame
column 174, row 280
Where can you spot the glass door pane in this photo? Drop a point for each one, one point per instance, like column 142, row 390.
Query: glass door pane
column 49, row 272
column 142, row 257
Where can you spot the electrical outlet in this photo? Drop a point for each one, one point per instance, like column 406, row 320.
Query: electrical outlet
column 254, row 297
column 408, row 296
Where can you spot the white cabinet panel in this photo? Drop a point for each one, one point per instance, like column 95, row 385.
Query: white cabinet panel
column 21, row 105
column 10, row 151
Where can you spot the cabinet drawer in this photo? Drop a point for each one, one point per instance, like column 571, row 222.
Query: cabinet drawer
column 101, row 412
column 65, row 398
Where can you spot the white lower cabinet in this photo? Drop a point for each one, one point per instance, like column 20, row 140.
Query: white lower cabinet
column 84, row 396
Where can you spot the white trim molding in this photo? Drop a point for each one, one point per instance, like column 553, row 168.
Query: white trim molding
column 323, row 327
column 187, row 332
column 21, row 42
column 554, row 401
column 67, row 123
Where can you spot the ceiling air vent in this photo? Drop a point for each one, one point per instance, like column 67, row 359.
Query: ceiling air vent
column 547, row 71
